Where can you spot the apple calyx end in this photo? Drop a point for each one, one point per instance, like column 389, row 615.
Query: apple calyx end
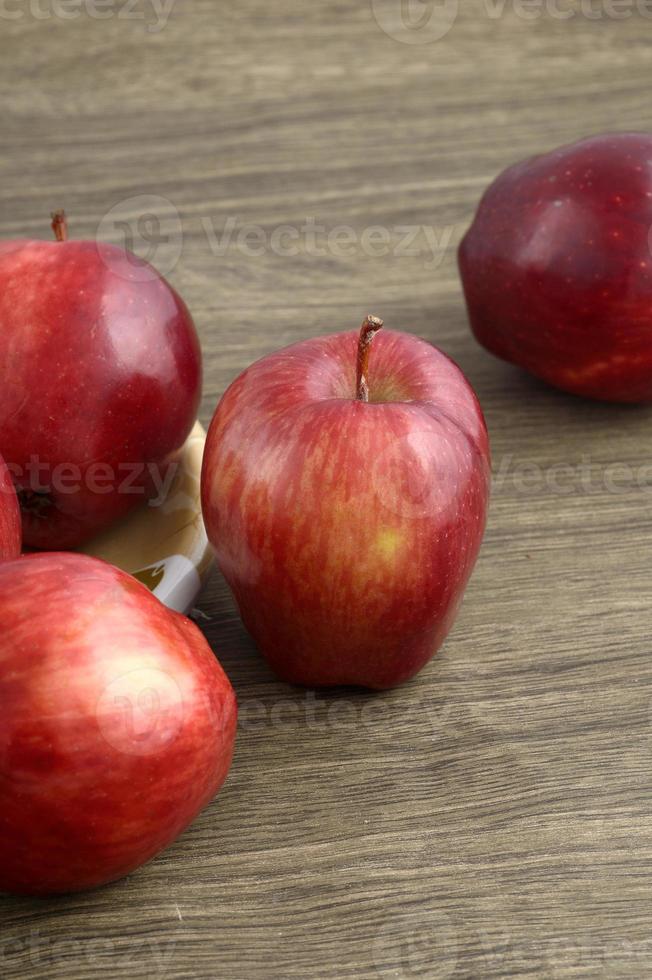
column 368, row 330
column 34, row 504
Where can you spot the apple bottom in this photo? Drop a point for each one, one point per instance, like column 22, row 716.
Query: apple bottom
column 89, row 846
column 68, row 827
column 606, row 373
column 342, row 657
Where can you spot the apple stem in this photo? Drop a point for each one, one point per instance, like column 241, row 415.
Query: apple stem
column 60, row 225
column 368, row 331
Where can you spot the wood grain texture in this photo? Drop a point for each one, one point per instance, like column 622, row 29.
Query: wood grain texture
column 492, row 817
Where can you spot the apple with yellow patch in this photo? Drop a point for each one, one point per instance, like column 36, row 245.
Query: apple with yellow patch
column 345, row 489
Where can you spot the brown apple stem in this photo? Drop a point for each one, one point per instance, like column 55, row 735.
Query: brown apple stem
column 368, row 331
column 60, row 225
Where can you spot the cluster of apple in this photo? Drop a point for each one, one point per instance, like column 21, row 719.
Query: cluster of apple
column 117, row 723
column 344, row 489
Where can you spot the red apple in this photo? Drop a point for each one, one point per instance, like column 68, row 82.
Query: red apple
column 117, row 725
column 102, row 378
column 557, row 267
column 346, row 503
column 10, row 527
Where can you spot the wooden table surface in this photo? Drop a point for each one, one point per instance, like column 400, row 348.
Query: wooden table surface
column 492, row 817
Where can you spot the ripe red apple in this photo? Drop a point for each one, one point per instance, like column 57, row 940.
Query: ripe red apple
column 557, row 267
column 346, row 503
column 101, row 383
column 10, row 528
column 117, row 724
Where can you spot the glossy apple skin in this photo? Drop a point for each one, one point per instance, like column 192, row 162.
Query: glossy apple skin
column 118, row 724
column 101, row 365
column 557, row 267
column 347, row 530
column 10, row 524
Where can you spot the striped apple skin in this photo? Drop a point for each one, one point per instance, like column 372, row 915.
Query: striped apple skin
column 347, row 530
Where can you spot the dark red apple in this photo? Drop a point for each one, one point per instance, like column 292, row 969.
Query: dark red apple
column 346, row 503
column 10, row 527
column 557, row 267
column 101, row 383
column 117, row 724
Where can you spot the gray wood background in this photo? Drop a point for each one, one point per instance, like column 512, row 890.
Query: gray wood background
column 491, row 818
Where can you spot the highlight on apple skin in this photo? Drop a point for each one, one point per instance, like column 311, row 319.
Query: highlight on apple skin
column 557, row 267
column 103, row 385
column 10, row 523
column 118, row 724
column 345, row 489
